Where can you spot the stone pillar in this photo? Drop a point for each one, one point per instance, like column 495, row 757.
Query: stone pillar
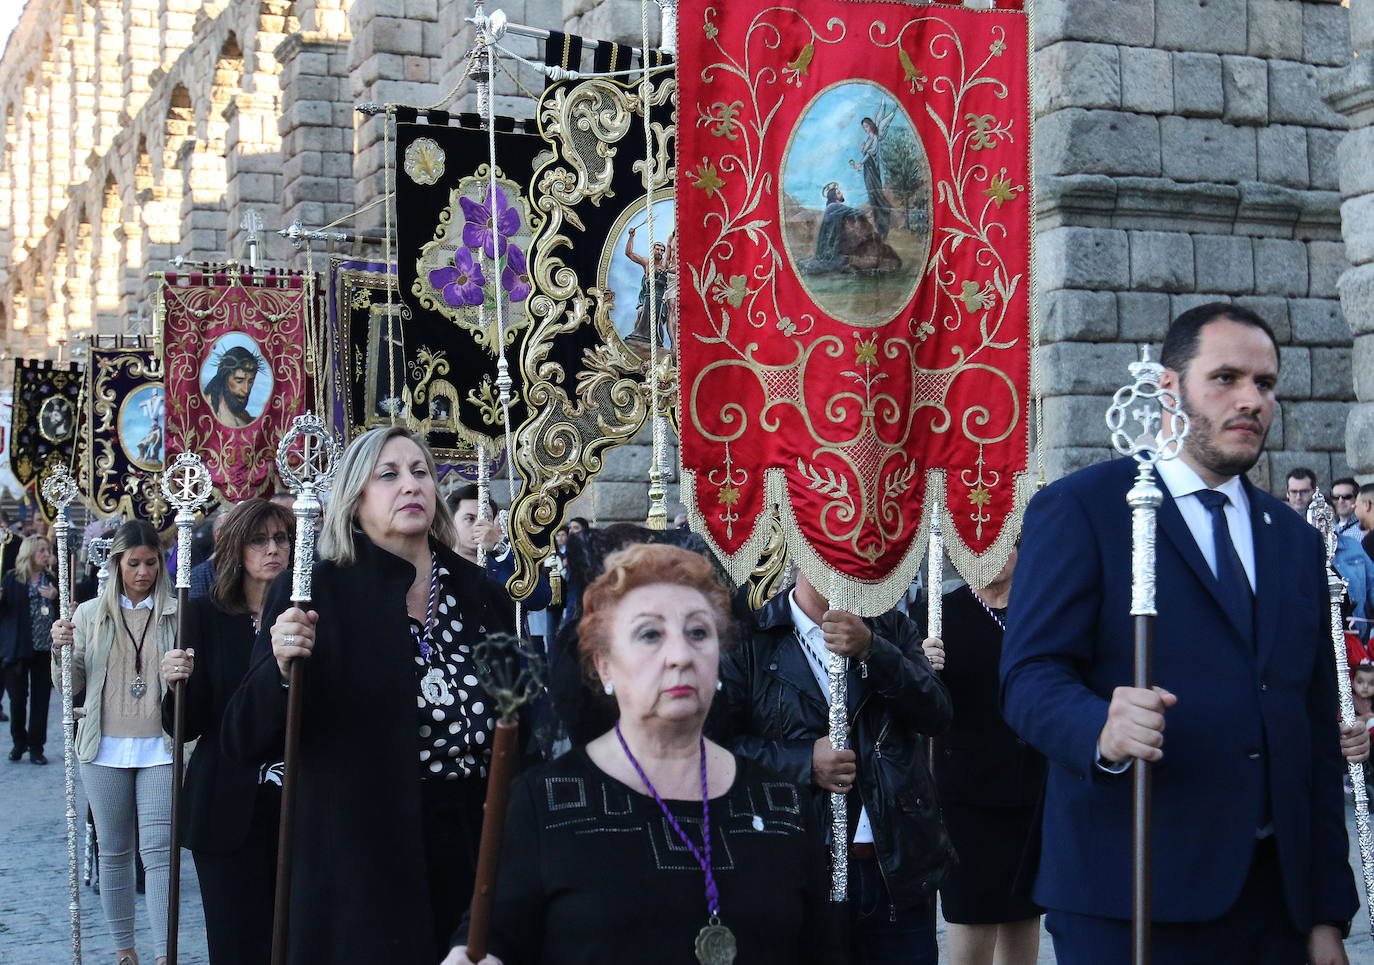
column 203, row 213
column 1351, row 93
column 617, row 20
column 316, row 124
column 1182, row 160
column 109, row 75
column 109, row 260
column 253, row 174
column 84, row 91
column 176, row 20
column 393, row 59
column 142, row 53
column 80, row 272
column 36, row 105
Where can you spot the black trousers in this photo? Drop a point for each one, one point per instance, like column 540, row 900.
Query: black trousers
column 28, row 681
column 451, row 816
column 1257, row 930
column 237, row 888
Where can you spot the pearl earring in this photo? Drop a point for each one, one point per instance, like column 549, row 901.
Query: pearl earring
column 720, row 685
column 609, row 688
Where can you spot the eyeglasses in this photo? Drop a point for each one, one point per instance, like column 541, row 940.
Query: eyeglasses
column 260, row 541
column 1343, row 497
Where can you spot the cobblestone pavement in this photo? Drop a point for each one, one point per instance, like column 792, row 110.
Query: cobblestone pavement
column 33, row 878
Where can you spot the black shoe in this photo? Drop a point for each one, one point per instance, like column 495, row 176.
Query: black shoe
column 17, row 754
column 38, row 759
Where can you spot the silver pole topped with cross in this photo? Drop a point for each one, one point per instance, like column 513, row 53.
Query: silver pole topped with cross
column 307, row 458
column 1136, row 419
column 186, row 485
column 60, row 489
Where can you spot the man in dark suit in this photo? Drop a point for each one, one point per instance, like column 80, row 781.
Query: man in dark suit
column 1250, row 852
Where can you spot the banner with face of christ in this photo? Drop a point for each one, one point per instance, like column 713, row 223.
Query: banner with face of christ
column 855, row 238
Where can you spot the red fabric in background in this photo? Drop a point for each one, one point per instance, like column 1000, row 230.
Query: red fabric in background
column 200, row 310
column 773, row 377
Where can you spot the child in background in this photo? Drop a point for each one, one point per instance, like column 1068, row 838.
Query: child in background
column 1362, row 683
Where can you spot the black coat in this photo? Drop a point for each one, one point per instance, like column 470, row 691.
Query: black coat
column 219, row 794
column 774, row 713
column 359, row 891
column 16, row 622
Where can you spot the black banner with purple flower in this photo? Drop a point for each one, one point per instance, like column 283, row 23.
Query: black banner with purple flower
column 463, row 237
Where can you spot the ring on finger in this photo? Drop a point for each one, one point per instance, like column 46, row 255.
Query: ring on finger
column 289, row 640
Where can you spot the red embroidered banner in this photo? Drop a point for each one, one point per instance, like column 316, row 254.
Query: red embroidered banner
column 854, row 194
column 234, row 350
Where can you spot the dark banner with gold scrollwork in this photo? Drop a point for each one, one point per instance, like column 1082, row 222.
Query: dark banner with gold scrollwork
column 126, row 415
column 603, row 294
column 234, row 357
column 463, row 258
column 46, row 422
column 856, row 272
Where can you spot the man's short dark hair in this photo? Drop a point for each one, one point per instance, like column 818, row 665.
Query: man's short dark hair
column 1366, row 492
column 1180, row 342
column 1302, row 472
column 471, row 491
column 1345, row 481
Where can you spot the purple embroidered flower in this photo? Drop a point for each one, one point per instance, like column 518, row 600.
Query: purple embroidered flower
column 484, row 230
column 462, row 282
column 516, row 276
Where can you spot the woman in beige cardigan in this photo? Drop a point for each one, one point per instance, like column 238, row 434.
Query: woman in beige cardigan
column 126, row 761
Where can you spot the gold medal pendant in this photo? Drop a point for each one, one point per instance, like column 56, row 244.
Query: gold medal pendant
column 715, row 945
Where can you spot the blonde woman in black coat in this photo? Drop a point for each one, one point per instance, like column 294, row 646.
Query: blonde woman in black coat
column 395, row 729
column 28, row 605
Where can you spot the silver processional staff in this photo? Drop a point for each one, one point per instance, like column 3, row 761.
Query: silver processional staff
column 1153, row 409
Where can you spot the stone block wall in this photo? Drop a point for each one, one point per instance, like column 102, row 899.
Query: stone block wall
column 1185, row 155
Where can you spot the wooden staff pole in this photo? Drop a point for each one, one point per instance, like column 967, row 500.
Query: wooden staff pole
column 510, row 672
column 186, row 485
column 306, row 470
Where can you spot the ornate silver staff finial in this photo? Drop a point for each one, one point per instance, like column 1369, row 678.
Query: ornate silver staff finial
column 98, row 549
column 510, row 671
column 1323, row 517
column 60, row 489
column 307, row 457
column 186, row 485
column 1145, row 402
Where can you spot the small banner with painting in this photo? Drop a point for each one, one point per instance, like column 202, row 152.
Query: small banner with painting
column 234, row 356
column 464, row 248
column 46, row 423
column 126, row 412
column 855, row 216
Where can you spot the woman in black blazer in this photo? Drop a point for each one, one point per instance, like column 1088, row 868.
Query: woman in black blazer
column 230, row 811
column 28, row 606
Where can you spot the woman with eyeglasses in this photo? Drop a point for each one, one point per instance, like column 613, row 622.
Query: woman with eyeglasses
column 230, row 811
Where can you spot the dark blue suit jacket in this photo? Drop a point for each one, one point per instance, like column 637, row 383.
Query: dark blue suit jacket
column 1244, row 719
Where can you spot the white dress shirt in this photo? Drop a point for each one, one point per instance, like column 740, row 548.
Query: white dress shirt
column 812, row 642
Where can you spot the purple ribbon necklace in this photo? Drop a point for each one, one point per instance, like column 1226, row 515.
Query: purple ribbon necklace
column 715, row 945
column 433, row 687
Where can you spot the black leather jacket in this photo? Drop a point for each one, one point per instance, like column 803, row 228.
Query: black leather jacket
column 771, row 710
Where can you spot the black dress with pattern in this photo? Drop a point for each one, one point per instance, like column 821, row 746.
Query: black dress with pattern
column 592, row 872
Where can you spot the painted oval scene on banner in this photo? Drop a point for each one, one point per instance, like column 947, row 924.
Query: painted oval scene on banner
column 625, row 268
column 856, row 204
column 142, row 426
column 55, row 420
column 236, row 380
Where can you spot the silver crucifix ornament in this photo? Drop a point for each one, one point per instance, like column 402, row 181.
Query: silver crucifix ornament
column 307, row 458
column 186, row 485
